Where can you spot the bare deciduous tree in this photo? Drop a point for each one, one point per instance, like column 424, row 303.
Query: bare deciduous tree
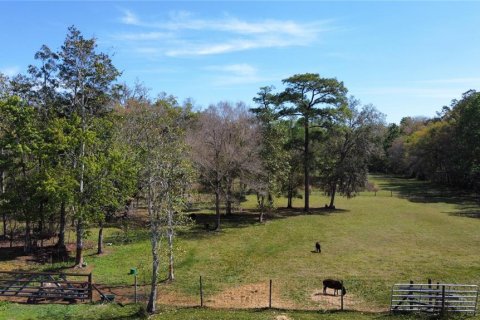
column 224, row 145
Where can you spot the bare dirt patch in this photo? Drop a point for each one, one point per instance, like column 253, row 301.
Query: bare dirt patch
column 253, row 295
column 350, row 302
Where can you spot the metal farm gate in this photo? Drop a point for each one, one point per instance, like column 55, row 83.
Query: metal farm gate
column 41, row 286
column 434, row 298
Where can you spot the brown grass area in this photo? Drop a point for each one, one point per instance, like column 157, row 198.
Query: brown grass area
column 254, row 295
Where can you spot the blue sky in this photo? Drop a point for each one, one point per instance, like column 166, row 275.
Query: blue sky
column 407, row 58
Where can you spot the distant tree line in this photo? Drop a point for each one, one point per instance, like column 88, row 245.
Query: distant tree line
column 444, row 149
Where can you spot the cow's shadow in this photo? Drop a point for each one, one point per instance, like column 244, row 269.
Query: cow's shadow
column 326, row 294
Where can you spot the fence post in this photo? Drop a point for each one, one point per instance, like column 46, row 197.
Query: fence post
column 270, row 295
column 90, row 293
column 341, row 296
column 430, row 293
column 437, row 294
column 476, row 301
column 443, row 299
column 201, row 292
column 135, row 277
column 410, row 294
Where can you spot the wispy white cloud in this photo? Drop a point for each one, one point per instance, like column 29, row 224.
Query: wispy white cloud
column 183, row 34
column 234, row 74
column 129, row 18
column 144, row 36
column 240, row 69
column 10, row 71
column 276, row 40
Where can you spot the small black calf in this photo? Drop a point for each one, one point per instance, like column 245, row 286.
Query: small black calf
column 335, row 285
column 318, row 248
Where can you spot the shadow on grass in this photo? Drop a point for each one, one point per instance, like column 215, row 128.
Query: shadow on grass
column 468, row 211
column 12, row 253
column 41, row 255
column 427, row 192
column 204, row 223
column 348, row 314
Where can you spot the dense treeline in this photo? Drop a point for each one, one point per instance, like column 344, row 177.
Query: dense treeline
column 444, row 149
column 79, row 149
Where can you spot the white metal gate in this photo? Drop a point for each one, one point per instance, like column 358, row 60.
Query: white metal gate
column 435, row 298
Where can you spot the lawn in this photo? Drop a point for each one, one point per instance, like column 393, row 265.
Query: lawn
column 370, row 242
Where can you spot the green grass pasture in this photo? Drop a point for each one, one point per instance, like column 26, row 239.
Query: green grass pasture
column 370, row 242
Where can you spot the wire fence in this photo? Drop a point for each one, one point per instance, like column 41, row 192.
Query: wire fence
column 269, row 293
column 287, row 294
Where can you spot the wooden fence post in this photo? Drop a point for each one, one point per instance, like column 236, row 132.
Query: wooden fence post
column 270, row 295
column 90, row 291
column 201, row 292
column 136, row 300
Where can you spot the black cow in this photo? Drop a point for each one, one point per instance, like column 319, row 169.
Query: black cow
column 318, row 248
column 335, row 285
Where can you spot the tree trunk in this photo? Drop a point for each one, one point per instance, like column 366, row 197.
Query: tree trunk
column 51, row 224
column 217, row 207
column 261, row 205
column 306, row 164
column 2, row 191
column 27, row 248
column 270, row 200
column 152, row 301
column 13, row 226
column 79, row 254
column 228, row 197
column 129, row 208
column 63, row 223
column 100, row 238
column 171, row 275
column 4, row 220
column 41, row 224
column 290, row 196
column 332, row 195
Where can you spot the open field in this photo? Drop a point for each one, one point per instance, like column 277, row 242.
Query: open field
column 370, row 242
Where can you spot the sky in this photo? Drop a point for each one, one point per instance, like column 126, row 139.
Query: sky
column 406, row 58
